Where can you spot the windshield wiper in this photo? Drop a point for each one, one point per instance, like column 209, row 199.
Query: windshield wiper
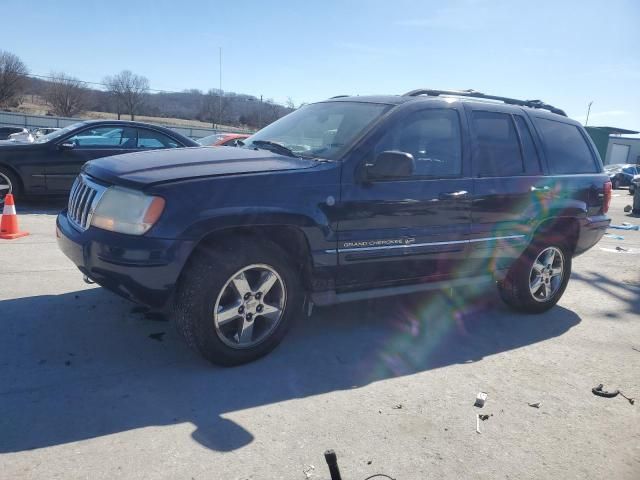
column 275, row 147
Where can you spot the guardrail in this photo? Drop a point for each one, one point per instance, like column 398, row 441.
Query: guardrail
column 35, row 121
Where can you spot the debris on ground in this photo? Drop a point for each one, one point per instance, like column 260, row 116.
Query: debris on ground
column 636, row 349
column 484, row 416
column 620, row 250
column 480, row 399
column 535, row 405
column 625, row 226
column 614, row 237
column 157, row 336
column 308, row 471
column 601, row 392
column 397, row 406
column 628, row 208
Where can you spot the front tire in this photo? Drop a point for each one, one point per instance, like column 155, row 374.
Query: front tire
column 8, row 184
column 537, row 280
column 237, row 300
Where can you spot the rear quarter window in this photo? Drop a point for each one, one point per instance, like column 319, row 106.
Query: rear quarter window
column 566, row 148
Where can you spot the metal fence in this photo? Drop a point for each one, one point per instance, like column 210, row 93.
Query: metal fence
column 35, row 121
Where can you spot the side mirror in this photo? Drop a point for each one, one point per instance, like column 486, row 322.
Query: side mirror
column 67, row 145
column 391, row 164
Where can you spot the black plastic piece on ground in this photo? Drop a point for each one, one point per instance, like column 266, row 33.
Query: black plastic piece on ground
column 332, row 463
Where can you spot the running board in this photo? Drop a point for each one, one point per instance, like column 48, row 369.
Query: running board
column 332, row 297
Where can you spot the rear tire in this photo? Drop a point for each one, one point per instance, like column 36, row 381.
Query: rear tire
column 519, row 289
column 8, row 184
column 212, row 313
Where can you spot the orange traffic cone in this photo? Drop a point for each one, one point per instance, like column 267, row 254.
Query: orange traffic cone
column 9, row 225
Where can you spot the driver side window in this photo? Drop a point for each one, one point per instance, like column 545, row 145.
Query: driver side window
column 105, row 137
column 433, row 137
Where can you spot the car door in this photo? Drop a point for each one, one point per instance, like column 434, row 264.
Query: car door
column 71, row 153
column 412, row 228
column 508, row 186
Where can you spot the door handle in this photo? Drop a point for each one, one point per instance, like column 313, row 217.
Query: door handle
column 454, row 195
column 545, row 188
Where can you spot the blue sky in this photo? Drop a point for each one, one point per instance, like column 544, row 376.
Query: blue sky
column 564, row 52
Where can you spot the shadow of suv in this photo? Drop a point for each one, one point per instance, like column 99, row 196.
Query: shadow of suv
column 346, row 199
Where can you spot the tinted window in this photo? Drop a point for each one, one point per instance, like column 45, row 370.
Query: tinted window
column 105, row 137
column 151, row 139
column 528, row 147
column 497, row 149
column 432, row 137
column 567, row 150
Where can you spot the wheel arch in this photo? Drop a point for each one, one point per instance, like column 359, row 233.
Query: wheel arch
column 561, row 229
column 291, row 239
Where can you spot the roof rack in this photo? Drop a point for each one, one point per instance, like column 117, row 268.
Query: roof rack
column 474, row 94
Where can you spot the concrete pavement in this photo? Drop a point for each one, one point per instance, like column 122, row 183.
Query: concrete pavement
column 86, row 393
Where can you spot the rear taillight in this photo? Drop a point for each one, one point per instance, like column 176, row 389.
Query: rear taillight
column 607, row 196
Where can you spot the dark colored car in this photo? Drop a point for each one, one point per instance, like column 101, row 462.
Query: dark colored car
column 6, row 131
column 621, row 175
column 223, row 140
column 51, row 163
column 634, row 185
column 346, row 199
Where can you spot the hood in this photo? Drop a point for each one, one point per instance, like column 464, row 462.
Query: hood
column 146, row 168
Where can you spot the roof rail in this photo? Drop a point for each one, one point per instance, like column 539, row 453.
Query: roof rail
column 338, row 96
column 474, row 94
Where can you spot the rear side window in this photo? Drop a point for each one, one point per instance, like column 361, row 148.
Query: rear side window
column 532, row 163
column 566, row 148
column 151, row 139
column 497, row 147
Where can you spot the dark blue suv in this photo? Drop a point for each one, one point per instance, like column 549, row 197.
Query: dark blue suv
column 346, row 199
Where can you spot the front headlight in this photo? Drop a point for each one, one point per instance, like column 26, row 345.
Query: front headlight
column 127, row 211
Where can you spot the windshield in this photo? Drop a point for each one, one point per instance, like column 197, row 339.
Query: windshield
column 322, row 130
column 58, row 133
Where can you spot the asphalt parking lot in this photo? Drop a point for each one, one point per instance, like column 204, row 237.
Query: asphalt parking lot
column 92, row 387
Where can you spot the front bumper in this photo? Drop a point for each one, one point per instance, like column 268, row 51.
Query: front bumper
column 591, row 231
column 138, row 268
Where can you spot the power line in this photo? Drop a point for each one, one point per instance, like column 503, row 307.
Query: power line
column 52, row 77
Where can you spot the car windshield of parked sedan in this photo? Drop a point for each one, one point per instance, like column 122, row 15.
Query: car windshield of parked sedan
column 58, row 133
column 321, row 130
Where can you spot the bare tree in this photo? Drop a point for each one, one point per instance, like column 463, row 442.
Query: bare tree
column 290, row 103
column 13, row 78
column 128, row 91
column 66, row 95
column 214, row 107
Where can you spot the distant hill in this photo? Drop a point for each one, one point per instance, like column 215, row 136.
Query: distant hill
column 190, row 107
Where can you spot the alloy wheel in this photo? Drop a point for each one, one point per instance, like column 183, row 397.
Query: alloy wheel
column 546, row 274
column 250, row 306
column 5, row 187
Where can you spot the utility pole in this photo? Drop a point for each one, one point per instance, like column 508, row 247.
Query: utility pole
column 586, row 122
column 220, row 93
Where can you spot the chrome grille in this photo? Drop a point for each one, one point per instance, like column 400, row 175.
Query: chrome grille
column 83, row 199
